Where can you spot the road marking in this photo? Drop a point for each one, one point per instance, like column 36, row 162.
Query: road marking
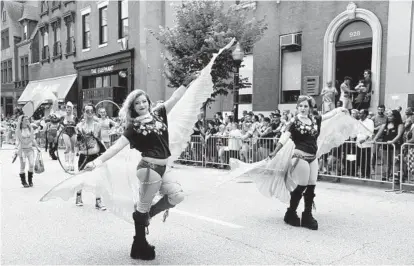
column 231, row 225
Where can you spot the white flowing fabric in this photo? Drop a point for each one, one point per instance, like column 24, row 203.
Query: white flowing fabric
column 273, row 178
column 116, row 179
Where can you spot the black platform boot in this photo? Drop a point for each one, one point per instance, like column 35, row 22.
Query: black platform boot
column 307, row 219
column 30, row 178
column 291, row 217
column 162, row 205
column 140, row 248
column 23, row 179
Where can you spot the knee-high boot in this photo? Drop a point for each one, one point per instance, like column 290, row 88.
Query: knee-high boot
column 162, row 205
column 140, row 248
column 30, row 178
column 291, row 217
column 307, row 219
column 23, row 179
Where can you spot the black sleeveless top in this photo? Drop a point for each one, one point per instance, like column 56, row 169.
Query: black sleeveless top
column 390, row 134
column 151, row 138
column 305, row 136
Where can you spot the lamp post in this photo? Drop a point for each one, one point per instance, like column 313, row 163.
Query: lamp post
column 237, row 55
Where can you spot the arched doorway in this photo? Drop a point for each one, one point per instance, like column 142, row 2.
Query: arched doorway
column 351, row 15
column 353, row 51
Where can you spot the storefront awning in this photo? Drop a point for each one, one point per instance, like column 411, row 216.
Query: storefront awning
column 59, row 86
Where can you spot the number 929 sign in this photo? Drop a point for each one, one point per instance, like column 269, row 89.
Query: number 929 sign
column 353, row 34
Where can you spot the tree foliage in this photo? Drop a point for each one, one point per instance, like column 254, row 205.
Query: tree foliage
column 201, row 28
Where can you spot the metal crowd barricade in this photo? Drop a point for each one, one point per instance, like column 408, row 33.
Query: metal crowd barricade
column 375, row 163
column 194, row 152
column 406, row 159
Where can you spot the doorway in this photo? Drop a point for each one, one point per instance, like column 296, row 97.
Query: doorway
column 351, row 62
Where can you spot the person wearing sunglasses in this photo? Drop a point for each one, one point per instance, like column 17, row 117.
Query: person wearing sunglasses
column 90, row 147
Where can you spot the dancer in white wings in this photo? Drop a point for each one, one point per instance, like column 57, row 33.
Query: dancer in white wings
column 293, row 169
column 160, row 142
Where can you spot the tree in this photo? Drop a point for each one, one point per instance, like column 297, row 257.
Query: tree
column 202, row 28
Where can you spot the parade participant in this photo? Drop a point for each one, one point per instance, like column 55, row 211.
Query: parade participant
column 69, row 121
column 293, row 169
column 106, row 123
column 147, row 132
column 304, row 130
column 127, row 188
column 53, row 128
column 25, row 138
column 90, row 147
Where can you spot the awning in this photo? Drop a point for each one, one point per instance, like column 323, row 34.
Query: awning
column 40, row 91
column 59, row 86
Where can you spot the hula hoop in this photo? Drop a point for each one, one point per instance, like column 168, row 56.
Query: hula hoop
column 107, row 101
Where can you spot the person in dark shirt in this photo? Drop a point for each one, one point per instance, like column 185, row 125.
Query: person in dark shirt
column 304, row 130
column 147, row 131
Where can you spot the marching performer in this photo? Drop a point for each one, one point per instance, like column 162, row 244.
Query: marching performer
column 90, row 147
column 53, row 128
column 127, row 187
column 106, row 124
column 25, row 138
column 69, row 121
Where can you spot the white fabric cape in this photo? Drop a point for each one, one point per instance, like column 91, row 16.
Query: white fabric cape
column 272, row 175
column 116, row 180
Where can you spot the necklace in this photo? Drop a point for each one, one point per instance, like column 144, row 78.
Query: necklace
column 144, row 118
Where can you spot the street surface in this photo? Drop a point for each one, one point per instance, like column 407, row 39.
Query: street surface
column 221, row 222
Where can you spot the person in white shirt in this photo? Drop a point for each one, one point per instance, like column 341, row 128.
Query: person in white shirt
column 364, row 145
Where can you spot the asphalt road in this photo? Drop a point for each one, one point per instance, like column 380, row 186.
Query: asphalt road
column 221, row 222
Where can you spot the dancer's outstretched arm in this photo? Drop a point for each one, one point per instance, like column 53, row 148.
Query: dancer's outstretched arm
column 109, row 153
column 283, row 139
column 178, row 93
column 334, row 112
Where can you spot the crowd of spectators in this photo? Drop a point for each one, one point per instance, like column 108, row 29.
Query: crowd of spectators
column 216, row 140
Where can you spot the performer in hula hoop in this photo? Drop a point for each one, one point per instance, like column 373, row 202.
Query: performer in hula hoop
column 106, row 124
column 90, row 147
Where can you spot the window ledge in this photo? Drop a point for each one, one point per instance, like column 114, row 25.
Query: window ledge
column 86, row 50
column 44, row 13
column 34, row 64
column 55, row 7
column 69, row 54
column 102, row 45
column 45, row 60
column 59, row 56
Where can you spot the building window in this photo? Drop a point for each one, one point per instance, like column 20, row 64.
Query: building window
column 86, row 30
column 25, row 37
column 24, row 66
column 70, row 36
column 103, row 25
column 3, row 72
column 9, row 71
column 5, row 39
column 3, row 15
column 44, row 8
column 123, row 18
column 45, row 46
column 34, row 49
column 291, row 75
column 57, row 46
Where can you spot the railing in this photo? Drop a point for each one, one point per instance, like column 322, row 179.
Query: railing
column 70, row 46
column 406, row 160
column 57, row 50
column 117, row 94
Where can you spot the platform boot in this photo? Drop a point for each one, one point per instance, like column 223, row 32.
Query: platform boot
column 140, row 248
column 307, row 219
